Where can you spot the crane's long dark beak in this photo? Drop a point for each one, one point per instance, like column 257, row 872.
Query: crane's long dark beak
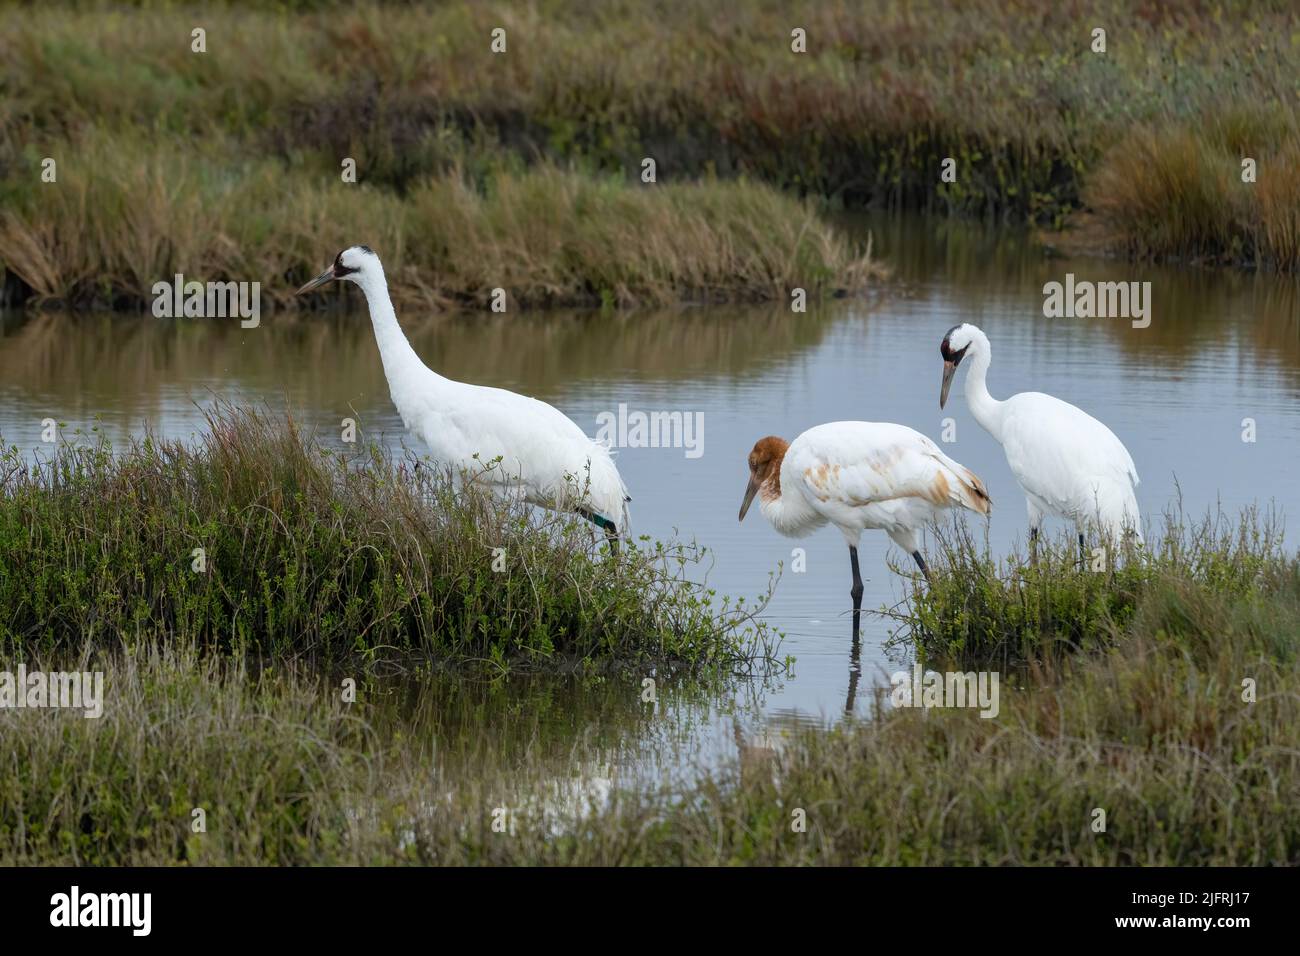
column 320, row 280
column 949, row 369
column 750, row 490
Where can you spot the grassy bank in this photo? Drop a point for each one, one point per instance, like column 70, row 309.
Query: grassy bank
column 226, row 164
column 1154, row 727
column 312, row 549
column 109, row 231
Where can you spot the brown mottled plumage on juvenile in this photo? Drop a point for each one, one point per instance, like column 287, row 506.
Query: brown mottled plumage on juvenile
column 859, row 476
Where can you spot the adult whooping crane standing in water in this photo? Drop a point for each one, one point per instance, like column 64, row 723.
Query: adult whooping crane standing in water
column 545, row 458
column 1068, row 463
column 859, row 475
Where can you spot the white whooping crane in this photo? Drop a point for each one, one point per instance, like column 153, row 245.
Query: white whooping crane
column 1067, row 463
column 545, row 458
column 859, row 475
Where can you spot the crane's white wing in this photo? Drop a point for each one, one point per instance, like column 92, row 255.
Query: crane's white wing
column 542, row 451
column 1065, row 457
column 854, row 464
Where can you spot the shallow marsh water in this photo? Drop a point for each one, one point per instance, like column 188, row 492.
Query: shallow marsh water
column 1222, row 347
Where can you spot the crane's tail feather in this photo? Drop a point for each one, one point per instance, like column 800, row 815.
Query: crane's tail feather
column 964, row 488
column 1116, row 509
column 973, row 493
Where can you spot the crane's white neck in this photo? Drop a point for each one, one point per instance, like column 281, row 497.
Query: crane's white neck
column 787, row 511
column 400, row 360
column 986, row 409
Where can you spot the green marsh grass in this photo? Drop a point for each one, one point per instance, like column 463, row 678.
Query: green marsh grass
column 287, row 772
column 318, row 552
column 1013, row 610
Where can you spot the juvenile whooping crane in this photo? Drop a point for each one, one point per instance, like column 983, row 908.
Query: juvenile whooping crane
column 859, row 475
column 545, row 458
column 1067, row 463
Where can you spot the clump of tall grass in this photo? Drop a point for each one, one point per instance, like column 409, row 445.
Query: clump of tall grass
column 258, row 538
column 1019, row 608
column 137, row 216
column 1178, row 193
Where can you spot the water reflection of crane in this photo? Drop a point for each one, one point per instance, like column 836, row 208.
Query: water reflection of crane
column 855, row 665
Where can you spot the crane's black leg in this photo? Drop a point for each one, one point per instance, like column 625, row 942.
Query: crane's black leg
column 920, row 563
column 1033, row 544
column 857, row 580
column 605, row 525
column 1083, row 549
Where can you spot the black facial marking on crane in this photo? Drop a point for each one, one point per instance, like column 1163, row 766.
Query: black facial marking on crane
column 340, row 269
column 947, row 351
